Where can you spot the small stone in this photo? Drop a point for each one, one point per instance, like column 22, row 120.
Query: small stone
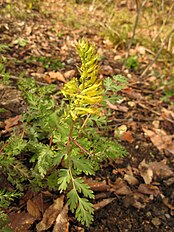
column 131, row 103
column 148, row 214
column 167, row 216
column 156, row 221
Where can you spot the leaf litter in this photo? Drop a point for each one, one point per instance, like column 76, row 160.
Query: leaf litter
column 136, row 182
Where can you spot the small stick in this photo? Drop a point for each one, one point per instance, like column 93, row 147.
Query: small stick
column 158, row 53
column 138, row 11
column 78, row 145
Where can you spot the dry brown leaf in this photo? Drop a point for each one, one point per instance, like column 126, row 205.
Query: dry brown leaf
column 106, row 70
column 167, row 113
column 33, row 209
column 117, row 107
column 120, row 187
column 132, row 94
column 141, row 50
column 167, row 203
column 170, row 148
column 119, row 171
column 70, row 74
column 127, row 136
column 50, row 77
column 62, row 224
column 103, row 203
column 159, row 138
column 146, row 172
column 50, row 214
column 97, row 186
column 12, row 122
column 169, row 181
column 160, row 169
column 78, row 229
column 136, row 199
column 148, row 189
column 20, row 221
column 131, row 179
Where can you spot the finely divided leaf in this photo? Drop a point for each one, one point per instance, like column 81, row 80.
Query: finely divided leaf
column 82, row 165
column 83, row 188
column 64, row 179
column 73, row 199
column 85, row 211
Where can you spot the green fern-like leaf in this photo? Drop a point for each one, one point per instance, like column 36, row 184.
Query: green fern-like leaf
column 15, row 146
column 82, row 165
column 83, row 188
column 19, row 167
column 64, row 179
column 7, row 197
column 85, row 211
column 72, row 199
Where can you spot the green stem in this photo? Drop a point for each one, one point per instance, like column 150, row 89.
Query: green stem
column 69, row 154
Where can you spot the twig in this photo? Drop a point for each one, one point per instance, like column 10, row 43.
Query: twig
column 111, row 29
column 158, row 53
column 138, row 11
column 164, row 23
column 78, row 145
column 155, row 112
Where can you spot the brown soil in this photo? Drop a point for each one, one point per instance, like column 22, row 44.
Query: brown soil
column 143, row 108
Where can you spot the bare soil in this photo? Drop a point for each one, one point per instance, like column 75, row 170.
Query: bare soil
column 132, row 208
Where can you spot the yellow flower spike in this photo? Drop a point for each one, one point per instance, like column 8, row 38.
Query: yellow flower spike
column 84, row 94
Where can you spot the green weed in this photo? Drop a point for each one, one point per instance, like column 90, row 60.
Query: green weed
column 48, row 63
column 132, row 63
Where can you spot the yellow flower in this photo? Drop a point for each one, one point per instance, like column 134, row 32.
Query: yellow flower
column 84, row 94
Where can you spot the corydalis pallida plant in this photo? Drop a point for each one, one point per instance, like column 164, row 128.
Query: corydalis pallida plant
column 61, row 141
column 84, row 94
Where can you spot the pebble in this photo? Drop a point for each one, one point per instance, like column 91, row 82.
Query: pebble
column 148, row 214
column 156, row 221
column 167, row 216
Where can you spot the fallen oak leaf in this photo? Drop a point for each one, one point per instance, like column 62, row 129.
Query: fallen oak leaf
column 96, row 185
column 103, row 203
column 132, row 94
column 159, row 138
column 50, row 214
column 160, row 169
column 146, row 172
column 50, row 77
column 10, row 122
column 131, row 179
column 120, row 187
column 136, row 199
column 117, row 107
column 20, row 221
column 148, row 189
column 127, row 136
column 62, row 224
column 33, row 209
column 70, row 74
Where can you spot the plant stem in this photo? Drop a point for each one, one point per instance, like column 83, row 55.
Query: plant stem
column 138, row 12
column 69, row 157
column 158, row 53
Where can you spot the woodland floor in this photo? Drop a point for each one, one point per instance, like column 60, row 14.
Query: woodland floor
column 136, row 193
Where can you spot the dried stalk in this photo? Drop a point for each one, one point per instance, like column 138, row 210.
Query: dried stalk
column 138, row 13
column 158, row 53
